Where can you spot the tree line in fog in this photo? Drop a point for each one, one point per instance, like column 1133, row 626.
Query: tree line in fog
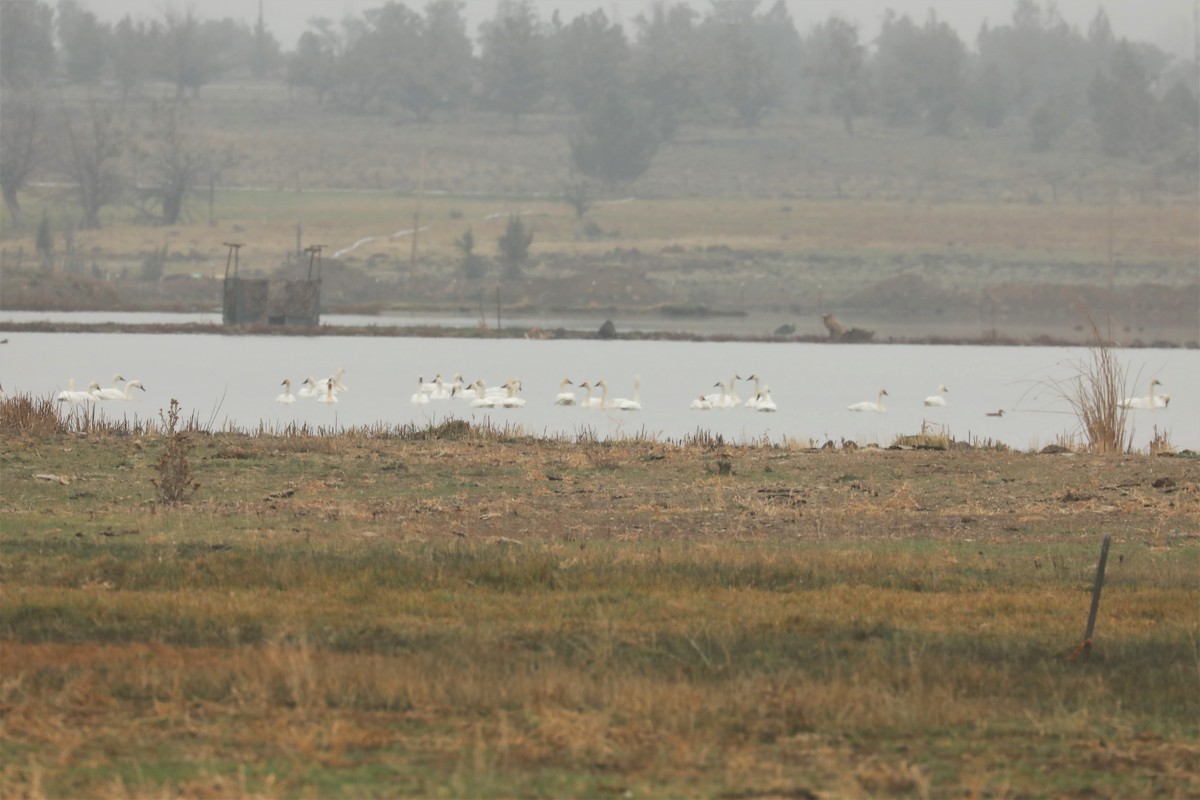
column 627, row 88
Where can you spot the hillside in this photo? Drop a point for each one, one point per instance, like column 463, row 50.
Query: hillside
column 793, row 216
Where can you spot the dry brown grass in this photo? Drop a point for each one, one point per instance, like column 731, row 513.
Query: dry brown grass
column 487, row 615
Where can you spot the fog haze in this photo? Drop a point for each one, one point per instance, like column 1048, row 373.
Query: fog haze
column 1166, row 23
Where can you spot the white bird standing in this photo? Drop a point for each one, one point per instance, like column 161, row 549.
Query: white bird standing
column 287, row 397
column 1148, row 403
column 624, row 404
column 329, row 396
column 868, row 405
column 938, row 399
column 564, row 397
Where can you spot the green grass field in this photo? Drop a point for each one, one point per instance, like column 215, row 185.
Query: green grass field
column 456, row 612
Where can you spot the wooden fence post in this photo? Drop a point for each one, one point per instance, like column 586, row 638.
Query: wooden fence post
column 1086, row 647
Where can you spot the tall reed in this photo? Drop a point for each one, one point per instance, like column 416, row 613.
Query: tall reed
column 1095, row 394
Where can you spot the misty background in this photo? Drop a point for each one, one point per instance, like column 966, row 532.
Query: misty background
column 978, row 161
column 1168, row 24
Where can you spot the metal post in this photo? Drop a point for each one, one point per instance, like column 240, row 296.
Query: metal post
column 1091, row 623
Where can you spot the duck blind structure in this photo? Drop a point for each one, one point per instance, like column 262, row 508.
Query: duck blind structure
column 271, row 301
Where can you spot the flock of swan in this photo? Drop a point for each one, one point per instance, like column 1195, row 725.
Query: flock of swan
column 94, row 392
column 595, row 395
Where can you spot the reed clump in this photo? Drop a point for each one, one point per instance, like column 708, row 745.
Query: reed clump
column 1095, row 394
column 22, row 415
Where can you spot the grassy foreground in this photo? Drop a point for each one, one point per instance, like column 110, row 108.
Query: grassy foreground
column 454, row 612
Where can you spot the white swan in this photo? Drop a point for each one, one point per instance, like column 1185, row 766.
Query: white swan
column 719, row 399
column 287, row 397
column 701, row 403
column 330, row 395
column 117, row 394
column 938, row 399
column 867, row 405
column 623, row 404
column 419, row 398
column 734, row 400
column 763, row 401
column 309, row 388
column 512, row 398
column 564, row 397
column 69, row 395
column 481, row 398
column 758, row 390
column 429, row 387
column 1148, row 403
column 594, row 402
column 112, row 393
column 335, row 381
column 440, row 391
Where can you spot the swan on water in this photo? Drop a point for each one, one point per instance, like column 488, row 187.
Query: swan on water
column 112, row 393
column 763, row 401
column 718, row 399
column 287, row 396
column 1149, row 402
column 624, row 404
column 481, row 398
column 564, row 397
column 329, row 396
column 938, row 399
column 868, row 405
column 419, row 397
column 701, row 403
column 594, row 402
column 999, row 413
column 309, row 388
column 512, row 398
column 754, row 399
column 440, row 391
column 69, row 395
column 335, row 381
column 117, row 394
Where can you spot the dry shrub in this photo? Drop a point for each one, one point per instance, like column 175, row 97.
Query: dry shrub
column 22, row 415
column 1095, row 395
column 174, row 482
column 1160, row 443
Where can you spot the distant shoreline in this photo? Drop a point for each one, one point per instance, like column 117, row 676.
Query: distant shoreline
column 455, row 332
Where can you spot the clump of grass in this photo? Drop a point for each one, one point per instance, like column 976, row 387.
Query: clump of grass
column 174, row 482
column 1094, row 395
column 1160, row 443
column 22, row 415
column 931, row 437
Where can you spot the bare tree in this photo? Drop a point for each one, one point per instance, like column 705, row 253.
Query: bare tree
column 94, row 147
column 19, row 136
column 174, row 165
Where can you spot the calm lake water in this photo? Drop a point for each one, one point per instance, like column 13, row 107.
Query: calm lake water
column 233, row 380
